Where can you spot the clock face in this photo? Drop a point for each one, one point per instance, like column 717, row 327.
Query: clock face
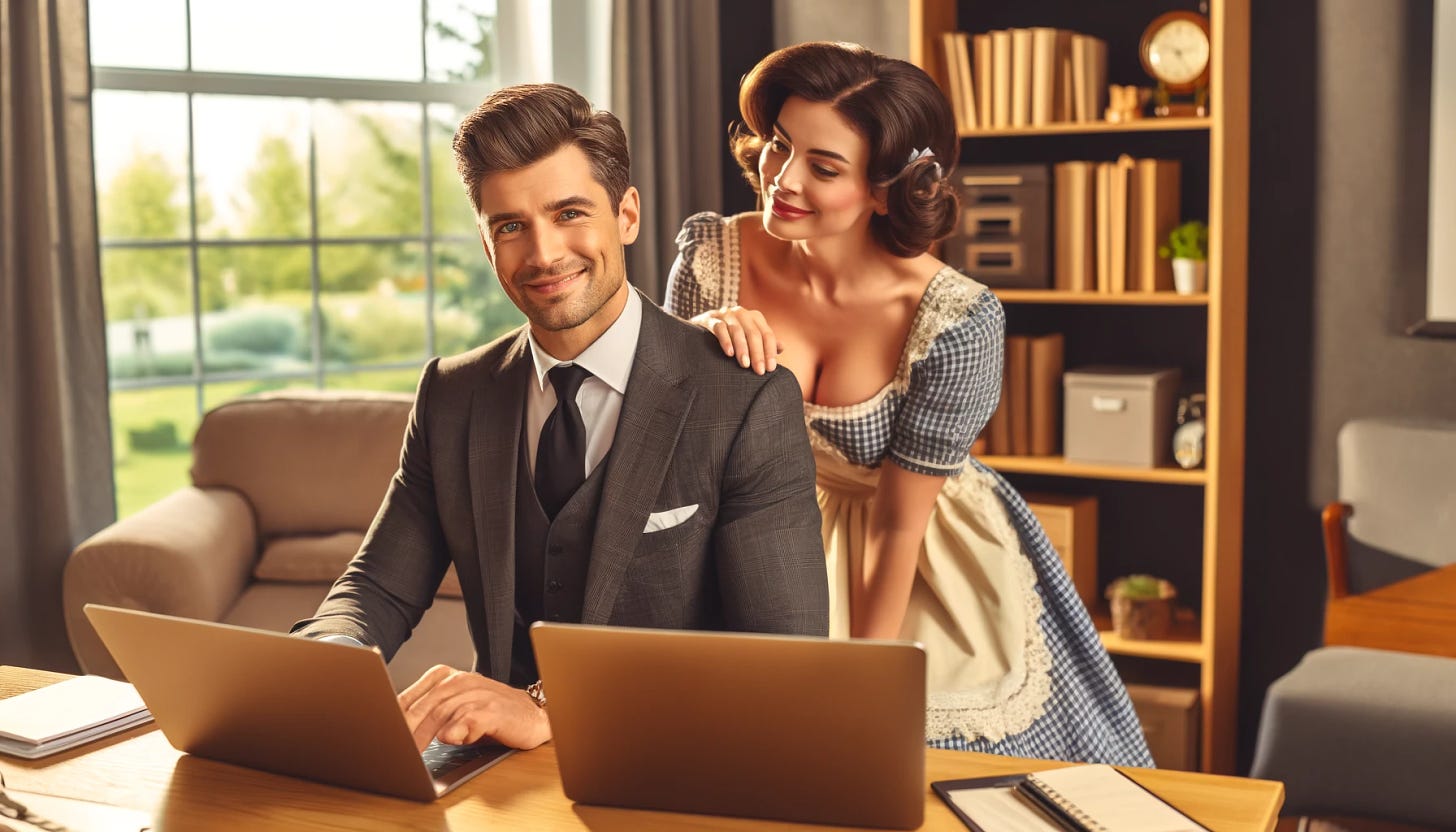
column 1178, row 52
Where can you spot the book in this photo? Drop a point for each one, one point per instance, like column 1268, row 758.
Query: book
column 981, row 49
column 953, row 77
column 968, row 86
column 1153, row 204
column 1102, row 226
column 1079, row 798
column 1001, row 78
column 1043, row 75
column 1021, row 77
column 1117, row 216
column 1076, row 269
column 67, row 714
column 1045, row 393
column 1017, row 393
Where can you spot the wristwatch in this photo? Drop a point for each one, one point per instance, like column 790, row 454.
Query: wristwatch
column 537, row 693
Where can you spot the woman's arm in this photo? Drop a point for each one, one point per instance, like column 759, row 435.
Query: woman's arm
column 880, row 592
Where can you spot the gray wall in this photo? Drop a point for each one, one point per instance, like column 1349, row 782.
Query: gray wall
column 1339, row 148
column 881, row 25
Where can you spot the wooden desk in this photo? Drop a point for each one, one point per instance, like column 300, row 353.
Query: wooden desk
column 139, row 770
column 1416, row 615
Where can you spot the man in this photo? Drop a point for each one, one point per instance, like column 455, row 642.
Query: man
column 602, row 464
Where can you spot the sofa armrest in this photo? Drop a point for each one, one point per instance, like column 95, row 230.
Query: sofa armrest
column 191, row 554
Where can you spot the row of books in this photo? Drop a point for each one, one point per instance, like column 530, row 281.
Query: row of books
column 1025, row 77
column 1110, row 218
column 1029, row 416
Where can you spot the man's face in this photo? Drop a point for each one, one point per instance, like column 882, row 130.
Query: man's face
column 556, row 245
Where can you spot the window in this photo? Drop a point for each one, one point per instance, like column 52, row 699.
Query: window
column 277, row 199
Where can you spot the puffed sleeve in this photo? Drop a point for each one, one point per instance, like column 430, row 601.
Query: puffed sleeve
column 695, row 283
column 953, row 391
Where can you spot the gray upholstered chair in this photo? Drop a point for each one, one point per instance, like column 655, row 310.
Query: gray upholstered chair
column 283, row 488
column 1365, row 733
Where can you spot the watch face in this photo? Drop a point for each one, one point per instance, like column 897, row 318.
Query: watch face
column 1178, row 52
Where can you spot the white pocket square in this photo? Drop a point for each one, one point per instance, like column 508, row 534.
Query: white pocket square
column 659, row 520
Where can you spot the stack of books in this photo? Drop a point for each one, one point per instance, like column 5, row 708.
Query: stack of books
column 1028, row 418
column 67, row 714
column 1025, row 77
column 1109, row 219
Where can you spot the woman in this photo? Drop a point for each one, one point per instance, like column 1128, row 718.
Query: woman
column 899, row 357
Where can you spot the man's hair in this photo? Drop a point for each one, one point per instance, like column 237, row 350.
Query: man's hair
column 519, row 126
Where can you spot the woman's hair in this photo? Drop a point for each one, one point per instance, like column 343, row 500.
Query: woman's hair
column 518, row 126
column 892, row 103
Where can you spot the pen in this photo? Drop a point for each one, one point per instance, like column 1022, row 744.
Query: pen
column 1028, row 794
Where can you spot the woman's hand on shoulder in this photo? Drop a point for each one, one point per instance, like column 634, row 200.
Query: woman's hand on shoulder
column 744, row 334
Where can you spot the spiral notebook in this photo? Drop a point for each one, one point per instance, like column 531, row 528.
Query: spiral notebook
column 1086, row 798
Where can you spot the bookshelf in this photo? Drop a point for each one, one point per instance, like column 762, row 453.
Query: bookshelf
column 1215, row 147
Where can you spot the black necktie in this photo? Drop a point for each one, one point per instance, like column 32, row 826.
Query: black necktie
column 561, row 451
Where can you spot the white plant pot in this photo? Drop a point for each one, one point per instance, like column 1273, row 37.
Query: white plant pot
column 1190, row 277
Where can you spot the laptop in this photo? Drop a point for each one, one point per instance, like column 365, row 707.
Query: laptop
column 313, row 709
column 779, row 727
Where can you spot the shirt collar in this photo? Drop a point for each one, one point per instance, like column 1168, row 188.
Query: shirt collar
column 609, row 358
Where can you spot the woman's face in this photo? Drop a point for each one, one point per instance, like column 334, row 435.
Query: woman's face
column 814, row 171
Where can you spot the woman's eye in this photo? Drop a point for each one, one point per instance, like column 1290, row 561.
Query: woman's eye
column 778, row 145
column 827, row 173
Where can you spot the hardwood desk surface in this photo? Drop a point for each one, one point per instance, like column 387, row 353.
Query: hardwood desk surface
column 1416, row 615
column 139, row 770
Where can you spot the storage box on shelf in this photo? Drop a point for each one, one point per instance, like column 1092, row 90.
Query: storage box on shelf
column 1210, row 640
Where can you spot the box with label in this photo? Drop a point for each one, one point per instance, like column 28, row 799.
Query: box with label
column 1119, row 415
column 1001, row 239
column 1169, row 717
column 1070, row 524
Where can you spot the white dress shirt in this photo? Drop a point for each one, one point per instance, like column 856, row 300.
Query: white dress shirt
column 609, row 360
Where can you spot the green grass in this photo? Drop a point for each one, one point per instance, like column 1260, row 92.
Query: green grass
column 144, row 476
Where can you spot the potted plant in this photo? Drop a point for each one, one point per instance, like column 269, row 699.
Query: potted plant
column 1142, row 606
column 1187, row 246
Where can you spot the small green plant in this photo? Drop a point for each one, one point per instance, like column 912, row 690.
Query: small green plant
column 1189, row 240
column 1138, row 587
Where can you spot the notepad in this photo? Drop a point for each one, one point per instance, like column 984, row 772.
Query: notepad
column 64, row 715
column 1087, row 798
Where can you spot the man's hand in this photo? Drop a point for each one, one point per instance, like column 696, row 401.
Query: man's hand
column 743, row 333
column 460, row 708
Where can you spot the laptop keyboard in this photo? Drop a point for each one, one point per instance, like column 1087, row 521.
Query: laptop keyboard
column 441, row 759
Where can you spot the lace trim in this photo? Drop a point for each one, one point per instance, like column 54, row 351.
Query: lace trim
column 1012, row 704
column 945, row 303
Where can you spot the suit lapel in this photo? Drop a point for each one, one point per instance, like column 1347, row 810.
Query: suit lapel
column 495, row 435
column 654, row 410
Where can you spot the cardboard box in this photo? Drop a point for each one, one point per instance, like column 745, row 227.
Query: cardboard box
column 1070, row 523
column 1169, row 717
column 1120, row 415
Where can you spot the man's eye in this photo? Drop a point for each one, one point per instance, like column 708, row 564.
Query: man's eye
column 508, row 228
column 571, row 214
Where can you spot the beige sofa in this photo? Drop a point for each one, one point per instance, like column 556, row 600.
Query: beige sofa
column 283, row 488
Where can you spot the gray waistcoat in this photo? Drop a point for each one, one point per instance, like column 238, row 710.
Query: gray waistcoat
column 551, row 560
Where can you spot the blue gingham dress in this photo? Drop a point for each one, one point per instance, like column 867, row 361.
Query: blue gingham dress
column 1015, row 665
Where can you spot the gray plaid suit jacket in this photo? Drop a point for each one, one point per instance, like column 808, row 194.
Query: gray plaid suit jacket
column 694, row 428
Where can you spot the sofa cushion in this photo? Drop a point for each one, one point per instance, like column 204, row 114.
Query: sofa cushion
column 321, row 559
column 307, row 462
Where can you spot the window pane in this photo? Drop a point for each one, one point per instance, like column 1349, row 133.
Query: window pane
column 151, row 34
column 470, row 307
column 252, row 166
column 151, row 437
column 461, row 41
column 256, row 309
column 373, row 300
column 326, row 38
column 141, row 165
column 392, row 381
column 148, row 296
column 368, row 168
column 453, row 213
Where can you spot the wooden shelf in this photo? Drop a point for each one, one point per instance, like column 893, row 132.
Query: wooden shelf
column 1059, row 467
column 1099, row 298
column 1184, row 645
column 1072, row 128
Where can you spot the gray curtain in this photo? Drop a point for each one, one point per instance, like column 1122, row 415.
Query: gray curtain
column 665, row 90
column 55, row 441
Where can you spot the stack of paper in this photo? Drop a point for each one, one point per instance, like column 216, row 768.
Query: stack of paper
column 67, row 714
